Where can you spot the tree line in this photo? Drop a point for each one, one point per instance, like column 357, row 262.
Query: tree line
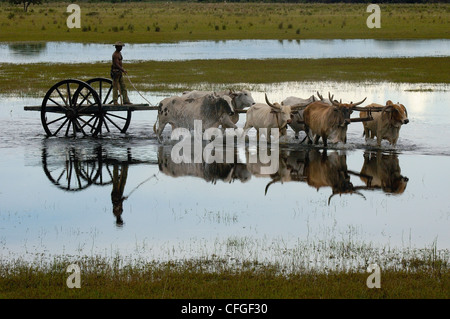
column 27, row 3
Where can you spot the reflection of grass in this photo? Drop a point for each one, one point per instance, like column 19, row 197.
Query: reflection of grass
column 184, row 75
column 162, row 22
column 421, row 274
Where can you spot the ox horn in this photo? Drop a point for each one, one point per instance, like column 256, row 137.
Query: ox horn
column 358, row 103
column 320, row 96
column 270, row 104
column 335, row 103
column 352, row 192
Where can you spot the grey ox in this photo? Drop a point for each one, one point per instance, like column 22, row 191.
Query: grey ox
column 239, row 99
column 297, row 123
column 268, row 116
column 212, row 110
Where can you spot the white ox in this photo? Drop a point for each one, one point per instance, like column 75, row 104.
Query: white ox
column 268, row 116
column 240, row 99
column 297, row 123
column 179, row 112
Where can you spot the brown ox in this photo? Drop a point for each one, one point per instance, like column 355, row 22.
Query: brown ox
column 328, row 121
column 382, row 171
column 387, row 123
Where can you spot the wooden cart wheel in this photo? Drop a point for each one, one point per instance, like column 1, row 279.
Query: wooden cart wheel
column 71, row 107
column 120, row 118
column 68, row 170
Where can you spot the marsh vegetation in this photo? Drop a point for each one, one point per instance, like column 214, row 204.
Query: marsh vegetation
column 175, row 21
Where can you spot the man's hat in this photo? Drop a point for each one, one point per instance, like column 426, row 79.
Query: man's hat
column 119, row 44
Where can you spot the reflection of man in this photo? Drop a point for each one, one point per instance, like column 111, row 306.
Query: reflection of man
column 119, row 180
column 116, row 75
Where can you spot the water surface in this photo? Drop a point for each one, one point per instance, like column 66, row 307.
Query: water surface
column 63, row 195
column 68, row 52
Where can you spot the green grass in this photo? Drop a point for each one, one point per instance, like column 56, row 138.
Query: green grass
column 36, row 79
column 172, row 21
column 427, row 277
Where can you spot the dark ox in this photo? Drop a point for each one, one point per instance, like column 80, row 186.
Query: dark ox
column 385, row 124
column 328, row 121
column 297, row 123
column 239, row 99
column 179, row 112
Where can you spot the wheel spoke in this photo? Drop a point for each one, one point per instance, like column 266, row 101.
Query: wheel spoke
column 92, row 126
column 62, row 173
column 62, row 125
column 80, row 127
column 62, row 97
column 109, row 172
column 61, row 106
column 69, row 177
column 58, row 119
column 84, row 99
column 69, row 98
column 120, row 117
column 106, row 125
column 113, row 123
column 68, row 127
column 74, row 128
column 100, row 91
column 107, row 95
column 95, row 123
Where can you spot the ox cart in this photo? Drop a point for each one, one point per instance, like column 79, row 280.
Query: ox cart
column 73, row 107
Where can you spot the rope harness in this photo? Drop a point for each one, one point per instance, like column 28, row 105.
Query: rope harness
column 138, row 90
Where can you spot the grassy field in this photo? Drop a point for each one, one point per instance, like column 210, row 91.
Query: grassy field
column 36, row 79
column 428, row 277
column 169, row 21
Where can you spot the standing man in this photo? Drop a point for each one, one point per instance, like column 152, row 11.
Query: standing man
column 116, row 75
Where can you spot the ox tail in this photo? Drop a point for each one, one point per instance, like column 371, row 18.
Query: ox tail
column 154, row 126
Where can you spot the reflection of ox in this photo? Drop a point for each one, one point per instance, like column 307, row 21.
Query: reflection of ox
column 317, row 170
column 268, row 116
column 323, row 120
column 291, row 168
column 387, row 123
column 325, row 170
column 239, row 99
column 226, row 172
column 297, row 123
column 179, row 112
column 383, row 171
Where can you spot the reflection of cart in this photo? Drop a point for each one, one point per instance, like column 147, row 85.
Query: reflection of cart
column 72, row 107
column 75, row 169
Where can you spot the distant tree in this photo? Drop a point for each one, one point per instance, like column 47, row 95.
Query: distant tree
column 26, row 3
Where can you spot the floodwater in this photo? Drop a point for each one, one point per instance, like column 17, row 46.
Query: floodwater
column 124, row 195
column 68, row 52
